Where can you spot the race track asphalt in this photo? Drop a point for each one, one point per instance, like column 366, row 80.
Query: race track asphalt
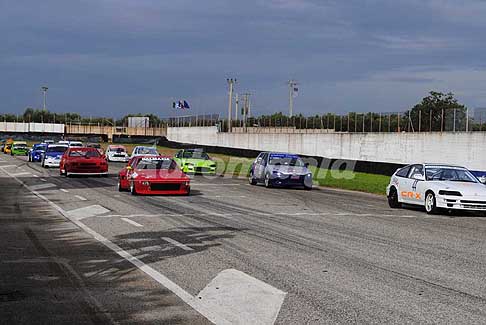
column 339, row 256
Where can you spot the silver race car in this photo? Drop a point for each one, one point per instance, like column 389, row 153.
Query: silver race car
column 436, row 187
column 280, row 169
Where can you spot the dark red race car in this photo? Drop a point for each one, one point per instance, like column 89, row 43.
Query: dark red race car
column 153, row 175
column 83, row 161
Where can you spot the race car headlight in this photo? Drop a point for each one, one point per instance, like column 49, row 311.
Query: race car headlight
column 134, row 175
column 189, row 165
column 451, row 193
column 145, row 183
column 309, row 175
column 187, row 183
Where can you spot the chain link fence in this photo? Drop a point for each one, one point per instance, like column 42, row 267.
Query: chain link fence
column 451, row 120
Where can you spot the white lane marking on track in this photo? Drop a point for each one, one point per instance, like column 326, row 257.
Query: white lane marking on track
column 211, row 312
column 82, row 198
column 242, row 299
column 63, row 190
column 21, row 174
column 86, row 212
column 212, row 184
column 7, row 166
column 43, row 179
column 133, row 223
column 225, row 196
column 35, row 175
column 42, row 186
column 177, row 244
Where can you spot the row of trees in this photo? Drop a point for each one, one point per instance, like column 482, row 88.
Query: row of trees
column 436, row 112
column 31, row 115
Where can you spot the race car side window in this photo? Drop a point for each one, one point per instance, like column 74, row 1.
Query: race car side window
column 179, row 154
column 264, row 158
column 259, row 158
column 403, row 172
column 416, row 169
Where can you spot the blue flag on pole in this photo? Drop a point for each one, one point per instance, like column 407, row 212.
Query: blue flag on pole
column 186, row 105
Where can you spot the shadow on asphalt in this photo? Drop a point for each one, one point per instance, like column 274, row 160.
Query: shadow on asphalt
column 53, row 273
column 151, row 247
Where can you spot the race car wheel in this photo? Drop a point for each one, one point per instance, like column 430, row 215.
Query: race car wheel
column 430, row 203
column 393, row 199
column 29, row 159
column 307, row 188
column 251, row 180
column 268, row 182
column 120, row 188
column 133, row 191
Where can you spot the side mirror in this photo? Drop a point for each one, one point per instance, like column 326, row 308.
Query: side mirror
column 306, row 165
column 418, row 177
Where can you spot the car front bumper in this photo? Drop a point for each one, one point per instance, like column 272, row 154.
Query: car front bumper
column 118, row 159
column 52, row 163
column 146, row 187
column 473, row 203
column 291, row 180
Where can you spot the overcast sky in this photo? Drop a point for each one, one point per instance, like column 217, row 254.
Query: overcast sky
column 112, row 57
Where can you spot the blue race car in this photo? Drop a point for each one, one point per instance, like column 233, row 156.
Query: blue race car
column 52, row 157
column 280, row 169
column 37, row 152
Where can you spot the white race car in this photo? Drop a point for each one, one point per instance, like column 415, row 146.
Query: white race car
column 436, row 187
column 117, row 153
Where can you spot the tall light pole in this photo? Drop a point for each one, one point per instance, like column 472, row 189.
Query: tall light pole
column 231, row 83
column 292, row 84
column 44, row 90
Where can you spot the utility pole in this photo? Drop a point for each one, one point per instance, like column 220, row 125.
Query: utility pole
column 292, row 84
column 44, row 90
column 236, row 108
column 231, row 83
column 246, row 108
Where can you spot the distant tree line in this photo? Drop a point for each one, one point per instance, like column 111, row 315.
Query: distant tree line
column 32, row 115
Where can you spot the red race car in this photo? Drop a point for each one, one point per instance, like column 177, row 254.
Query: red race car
column 153, row 175
column 83, row 161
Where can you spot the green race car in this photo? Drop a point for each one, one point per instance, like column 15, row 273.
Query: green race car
column 195, row 161
column 19, row 148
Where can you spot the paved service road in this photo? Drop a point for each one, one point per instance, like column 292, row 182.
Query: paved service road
column 237, row 253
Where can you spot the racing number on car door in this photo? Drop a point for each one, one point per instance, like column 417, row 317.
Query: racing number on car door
column 408, row 186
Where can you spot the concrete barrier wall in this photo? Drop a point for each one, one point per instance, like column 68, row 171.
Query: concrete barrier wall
column 20, row 127
column 462, row 148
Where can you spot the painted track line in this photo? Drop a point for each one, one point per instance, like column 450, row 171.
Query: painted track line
column 177, row 244
column 133, row 223
column 185, row 296
column 63, row 190
column 81, row 198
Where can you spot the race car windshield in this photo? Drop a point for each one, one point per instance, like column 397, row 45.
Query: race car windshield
column 450, row 174
column 154, row 164
column 119, row 150
column 56, row 149
column 286, row 161
column 20, row 145
column 83, row 153
column 76, row 144
column 195, row 155
column 147, row 151
column 40, row 147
